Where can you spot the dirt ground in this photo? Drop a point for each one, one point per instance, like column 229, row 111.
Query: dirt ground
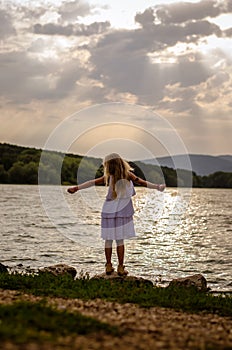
column 146, row 329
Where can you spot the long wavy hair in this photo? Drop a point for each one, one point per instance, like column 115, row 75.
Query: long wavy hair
column 117, row 169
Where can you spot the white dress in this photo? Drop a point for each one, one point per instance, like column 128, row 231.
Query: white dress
column 117, row 214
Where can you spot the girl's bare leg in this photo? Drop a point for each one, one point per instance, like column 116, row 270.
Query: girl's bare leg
column 108, row 251
column 120, row 251
column 108, row 254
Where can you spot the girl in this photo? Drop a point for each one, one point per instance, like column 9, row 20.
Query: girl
column 117, row 212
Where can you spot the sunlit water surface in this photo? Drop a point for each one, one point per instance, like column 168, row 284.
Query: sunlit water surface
column 178, row 232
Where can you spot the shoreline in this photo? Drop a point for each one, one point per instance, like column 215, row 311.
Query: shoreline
column 27, row 270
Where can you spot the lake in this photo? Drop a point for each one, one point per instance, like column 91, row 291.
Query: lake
column 179, row 232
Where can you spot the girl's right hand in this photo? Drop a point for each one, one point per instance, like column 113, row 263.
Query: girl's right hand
column 161, row 188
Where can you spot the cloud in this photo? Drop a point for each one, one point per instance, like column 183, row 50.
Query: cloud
column 188, row 32
column 72, row 30
column 146, row 18
column 172, row 31
column 30, row 14
column 185, row 11
column 120, row 60
column 22, row 76
column 228, row 32
column 205, row 93
column 26, row 77
column 72, row 10
column 6, row 29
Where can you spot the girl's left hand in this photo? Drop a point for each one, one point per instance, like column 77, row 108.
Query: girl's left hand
column 71, row 190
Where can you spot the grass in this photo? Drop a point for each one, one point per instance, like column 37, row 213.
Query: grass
column 122, row 291
column 37, row 322
column 23, row 322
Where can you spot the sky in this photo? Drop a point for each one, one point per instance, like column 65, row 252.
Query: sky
column 171, row 58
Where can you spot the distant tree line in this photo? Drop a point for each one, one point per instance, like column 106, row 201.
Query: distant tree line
column 23, row 165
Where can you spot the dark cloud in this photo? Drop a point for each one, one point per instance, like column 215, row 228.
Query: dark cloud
column 192, row 72
column 27, row 78
column 185, row 11
column 228, row 5
column 53, row 29
column 228, row 32
column 29, row 14
column 6, row 28
column 201, row 28
column 70, row 29
column 146, row 18
column 72, row 10
column 120, row 58
column 71, row 73
column 22, row 76
column 170, row 33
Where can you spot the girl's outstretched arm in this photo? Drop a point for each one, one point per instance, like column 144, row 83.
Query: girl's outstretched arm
column 90, row 183
column 144, row 183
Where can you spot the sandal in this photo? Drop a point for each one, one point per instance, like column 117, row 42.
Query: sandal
column 109, row 269
column 122, row 271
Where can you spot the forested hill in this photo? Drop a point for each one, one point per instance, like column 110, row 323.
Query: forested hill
column 20, row 165
column 201, row 164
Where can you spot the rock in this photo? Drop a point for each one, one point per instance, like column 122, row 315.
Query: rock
column 115, row 277
column 19, row 269
column 3, row 268
column 59, row 270
column 198, row 281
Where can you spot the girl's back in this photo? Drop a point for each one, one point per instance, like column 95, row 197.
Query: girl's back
column 116, row 172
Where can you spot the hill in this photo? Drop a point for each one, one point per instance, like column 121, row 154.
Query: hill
column 227, row 157
column 201, row 164
column 21, row 165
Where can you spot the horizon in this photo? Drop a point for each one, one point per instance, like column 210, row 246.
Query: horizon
column 90, row 156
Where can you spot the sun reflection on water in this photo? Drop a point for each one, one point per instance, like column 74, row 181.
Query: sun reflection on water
column 176, row 235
